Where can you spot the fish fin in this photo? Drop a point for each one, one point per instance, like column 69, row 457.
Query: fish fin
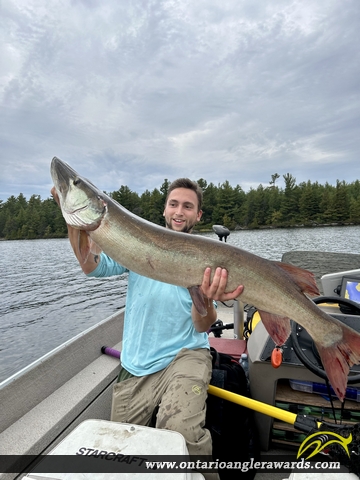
column 303, row 278
column 198, row 300
column 84, row 244
column 278, row 327
column 339, row 357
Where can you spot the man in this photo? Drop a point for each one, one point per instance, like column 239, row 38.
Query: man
column 165, row 360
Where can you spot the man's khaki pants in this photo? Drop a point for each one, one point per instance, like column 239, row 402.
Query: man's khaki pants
column 179, row 392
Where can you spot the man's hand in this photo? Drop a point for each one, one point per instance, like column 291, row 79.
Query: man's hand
column 215, row 289
column 55, row 195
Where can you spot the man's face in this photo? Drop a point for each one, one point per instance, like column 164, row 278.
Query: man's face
column 181, row 210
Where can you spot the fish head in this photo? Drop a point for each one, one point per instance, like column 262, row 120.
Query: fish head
column 82, row 204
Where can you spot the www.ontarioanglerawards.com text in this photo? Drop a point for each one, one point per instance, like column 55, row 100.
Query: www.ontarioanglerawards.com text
column 244, row 466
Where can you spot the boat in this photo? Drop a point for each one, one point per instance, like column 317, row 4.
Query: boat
column 46, row 402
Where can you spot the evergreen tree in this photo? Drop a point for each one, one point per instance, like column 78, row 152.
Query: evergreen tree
column 164, row 188
column 249, row 210
column 355, row 210
column 326, row 204
column 341, row 204
column 289, row 206
column 240, row 198
column 127, row 198
column 209, row 202
column 2, row 218
column 309, row 202
column 202, row 184
column 274, row 177
column 274, row 214
column 223, row 211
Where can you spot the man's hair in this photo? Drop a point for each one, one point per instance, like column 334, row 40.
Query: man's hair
column 186, row 183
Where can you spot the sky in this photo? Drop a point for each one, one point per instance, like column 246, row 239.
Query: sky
column 133, row 92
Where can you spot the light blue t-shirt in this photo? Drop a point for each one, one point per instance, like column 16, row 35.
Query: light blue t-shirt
column 158, row 321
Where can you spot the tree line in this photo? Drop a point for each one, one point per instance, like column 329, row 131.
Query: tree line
column 305, row 204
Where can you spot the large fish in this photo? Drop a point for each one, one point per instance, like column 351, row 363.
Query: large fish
column 278, row 290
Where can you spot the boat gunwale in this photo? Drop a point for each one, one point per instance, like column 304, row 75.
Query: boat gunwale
column 31, row 387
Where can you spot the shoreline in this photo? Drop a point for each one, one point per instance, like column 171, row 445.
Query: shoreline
column 279, row 227
column 236, row 229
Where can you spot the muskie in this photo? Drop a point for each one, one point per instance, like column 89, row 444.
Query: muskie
column 278, row 290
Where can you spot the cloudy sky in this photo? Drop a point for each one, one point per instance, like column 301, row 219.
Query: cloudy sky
column 130, row 92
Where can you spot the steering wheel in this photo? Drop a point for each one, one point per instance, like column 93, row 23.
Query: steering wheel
column 311, row 359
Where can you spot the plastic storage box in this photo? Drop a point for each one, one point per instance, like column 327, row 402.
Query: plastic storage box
column 112, row 443
column 321, row 389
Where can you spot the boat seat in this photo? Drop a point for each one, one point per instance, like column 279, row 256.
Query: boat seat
column 232, row 346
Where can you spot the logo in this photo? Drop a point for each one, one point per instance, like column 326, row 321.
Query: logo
column 196, row 389
column 321, row 440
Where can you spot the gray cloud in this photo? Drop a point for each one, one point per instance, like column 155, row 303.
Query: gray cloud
column 132, row 93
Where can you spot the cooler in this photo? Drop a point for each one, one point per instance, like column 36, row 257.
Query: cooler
column 113, row 446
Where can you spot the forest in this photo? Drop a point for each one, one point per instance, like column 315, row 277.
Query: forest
column 303, row 204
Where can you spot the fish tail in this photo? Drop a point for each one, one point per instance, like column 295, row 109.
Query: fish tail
column 339, row 357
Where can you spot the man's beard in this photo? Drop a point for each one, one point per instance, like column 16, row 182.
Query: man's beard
column 187, row 227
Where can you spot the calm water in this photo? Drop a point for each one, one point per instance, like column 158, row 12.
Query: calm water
column 45, row 299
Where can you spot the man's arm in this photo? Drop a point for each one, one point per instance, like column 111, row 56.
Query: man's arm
column 213, row 290
column 93, row 259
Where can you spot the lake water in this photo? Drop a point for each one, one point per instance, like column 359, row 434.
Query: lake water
column 45, row 299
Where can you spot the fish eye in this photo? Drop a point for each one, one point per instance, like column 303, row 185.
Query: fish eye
column 76, row 181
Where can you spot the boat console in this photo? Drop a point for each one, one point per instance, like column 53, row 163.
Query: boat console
column 299, row 350
column 338, row 284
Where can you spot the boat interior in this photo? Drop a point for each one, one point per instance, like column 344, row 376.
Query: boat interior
column 43, row 403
